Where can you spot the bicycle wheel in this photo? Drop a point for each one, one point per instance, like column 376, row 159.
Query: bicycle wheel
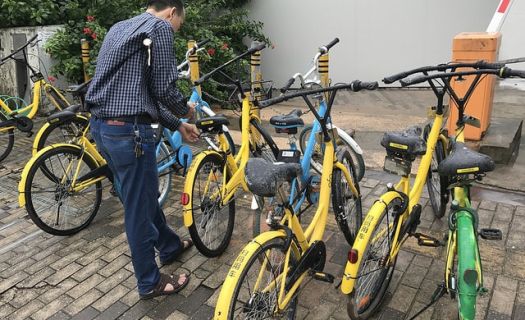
column 347, row 206
column 53, row 204
column 375, row 272
column 7, row 139
column 437, row 185
column 164, row 157
column 261, row 146
column 317, row 156
column 212, row 226
column 60, row 132
column 256, row 290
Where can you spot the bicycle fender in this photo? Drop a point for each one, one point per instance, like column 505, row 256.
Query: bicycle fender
column 27, row 167
column 188, row 185
column 349, row 140
column 363, row 236
column 224, row 300
column 38, row 137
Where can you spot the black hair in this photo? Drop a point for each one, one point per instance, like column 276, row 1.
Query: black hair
column 160, row 5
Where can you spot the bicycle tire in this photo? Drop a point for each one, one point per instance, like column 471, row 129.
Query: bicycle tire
column 7, row 139
column 367, row 306
column 437, row 185
column 256, row 302
column 165, row 175
column 60, row 193
column 317, row 157
column 216, row 165
column 347, row 206
column 262, row 146
column 68, row 130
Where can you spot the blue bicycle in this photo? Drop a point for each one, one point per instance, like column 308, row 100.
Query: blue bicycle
column 346, row 205
column 179, row 158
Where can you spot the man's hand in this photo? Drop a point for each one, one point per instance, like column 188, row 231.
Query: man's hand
column 189, row 132
column 191, row 111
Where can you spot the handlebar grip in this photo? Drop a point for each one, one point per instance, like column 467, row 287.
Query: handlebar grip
column 288, row 85
column 395, row 77
column 509, row 73
column 326, row 48
column 414, row 80
column 489, row 65
column 203, row 42
column 358, row 85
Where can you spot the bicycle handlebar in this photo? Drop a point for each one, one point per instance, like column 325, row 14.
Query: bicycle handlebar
column 326, row 48
column 503, row 72
column 18, row 50
column 481, row 64
column 288, row 85
column 237, row 58
column 354, row 86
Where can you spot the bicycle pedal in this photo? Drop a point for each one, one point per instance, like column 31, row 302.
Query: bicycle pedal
column 427, row 241
column 490, row 234
column 322, row 276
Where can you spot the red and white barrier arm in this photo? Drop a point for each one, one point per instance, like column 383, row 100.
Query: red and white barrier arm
column 499, row 16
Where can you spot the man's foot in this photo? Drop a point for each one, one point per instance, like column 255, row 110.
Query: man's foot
column 167, row 285
column 186, row 244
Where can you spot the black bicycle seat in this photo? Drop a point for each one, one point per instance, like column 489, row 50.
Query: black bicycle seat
column 408, row 142
column 66, row 114
column 291, row 119
column 212, row 124
column 79, row 90
column 462, row 160
column 263, row 177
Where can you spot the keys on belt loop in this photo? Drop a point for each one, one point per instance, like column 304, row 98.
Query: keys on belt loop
column 138, row 141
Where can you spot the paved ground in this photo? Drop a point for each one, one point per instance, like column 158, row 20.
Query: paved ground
column 89, row 275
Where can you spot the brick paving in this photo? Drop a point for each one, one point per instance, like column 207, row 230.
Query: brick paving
column 89, row 275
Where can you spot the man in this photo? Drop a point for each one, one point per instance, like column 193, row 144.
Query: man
column 134, row 86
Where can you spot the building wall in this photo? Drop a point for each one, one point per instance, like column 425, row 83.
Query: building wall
column 378, row 37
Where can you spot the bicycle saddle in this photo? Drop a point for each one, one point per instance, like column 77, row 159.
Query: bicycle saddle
column 212, row 124
column 408, row 142
column 66, row 114
column 263, row 177
column 462, row 160
column 288, row 120
column 79, row 90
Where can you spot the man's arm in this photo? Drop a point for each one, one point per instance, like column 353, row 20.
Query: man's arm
column 168, row 119
column 164, row 72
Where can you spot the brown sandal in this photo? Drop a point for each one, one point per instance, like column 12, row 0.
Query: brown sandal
column 186, row 244
column 161, row 286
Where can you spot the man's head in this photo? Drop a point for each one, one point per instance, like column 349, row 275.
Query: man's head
column 169, row 10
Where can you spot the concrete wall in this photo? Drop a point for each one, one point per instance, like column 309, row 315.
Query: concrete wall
column 378, row 37
column 37, row 57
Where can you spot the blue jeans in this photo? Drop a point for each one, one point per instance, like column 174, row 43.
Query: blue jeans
column 136, row 182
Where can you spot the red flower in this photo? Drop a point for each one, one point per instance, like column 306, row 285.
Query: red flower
column 273, row 46
column 51, row 79
column 87, row 31
column 90, row 18
column 211, row 51
column 94, row 36
column 224, row 46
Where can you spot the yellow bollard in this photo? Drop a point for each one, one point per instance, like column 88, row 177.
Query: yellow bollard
column 256, row 79
column 85, row 57
column 323, row 71
column 194, row 65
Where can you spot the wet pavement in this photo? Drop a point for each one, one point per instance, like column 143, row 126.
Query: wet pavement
column 89, row 275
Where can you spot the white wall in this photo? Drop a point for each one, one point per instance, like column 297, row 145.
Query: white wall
column 378, row 37
column 512, row 42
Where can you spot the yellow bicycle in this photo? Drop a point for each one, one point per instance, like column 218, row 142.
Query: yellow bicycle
column 216, row 175
column 21, row 118
column 396, row 214
column 265, row 278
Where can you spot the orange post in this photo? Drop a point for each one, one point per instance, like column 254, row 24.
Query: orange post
column 470, row 47
column 85, row 57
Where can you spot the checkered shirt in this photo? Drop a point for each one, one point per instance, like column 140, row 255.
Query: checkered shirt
column 124, row 85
